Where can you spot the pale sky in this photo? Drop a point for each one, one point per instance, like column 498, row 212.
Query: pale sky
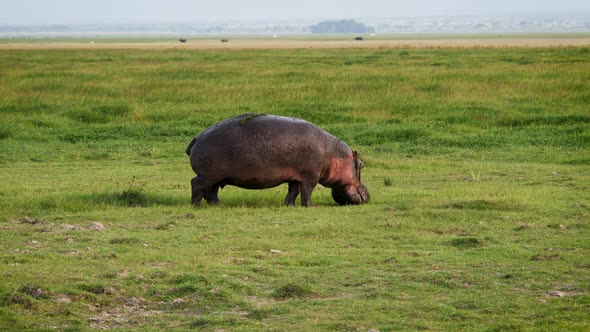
column 21, row 12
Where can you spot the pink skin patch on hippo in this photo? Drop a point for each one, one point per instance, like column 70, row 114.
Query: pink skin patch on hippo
column 341, row 171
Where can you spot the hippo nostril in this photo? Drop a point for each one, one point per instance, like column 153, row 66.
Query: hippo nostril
column 355, row 198
column 365, row 198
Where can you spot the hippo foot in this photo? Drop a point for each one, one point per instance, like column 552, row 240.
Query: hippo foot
column 196, row 202
column 308, row 203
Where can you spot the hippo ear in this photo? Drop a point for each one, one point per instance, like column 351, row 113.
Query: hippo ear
column 358, row 164
column 357, row 160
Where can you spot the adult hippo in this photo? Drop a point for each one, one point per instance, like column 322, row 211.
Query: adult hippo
column 258, row 151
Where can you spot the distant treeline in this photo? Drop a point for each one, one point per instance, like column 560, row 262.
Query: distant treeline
column 343, row 26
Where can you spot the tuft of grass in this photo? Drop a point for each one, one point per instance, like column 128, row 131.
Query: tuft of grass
column 100, row 114
column 377, row 135
column 485, row 205
column 519, row 60
column 548, row 120
column 466, row 242
column 387, row 181
column 183, row 290
column 34, row 291
column 95, row 289
column 133, row 197
column 189, row 278
column 428, row 87
column 292, row 290
column 125, row 240
column 6, row 130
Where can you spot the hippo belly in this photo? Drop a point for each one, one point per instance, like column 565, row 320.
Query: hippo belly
column 261, row 179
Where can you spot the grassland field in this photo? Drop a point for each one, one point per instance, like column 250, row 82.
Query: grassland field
column 477, row 161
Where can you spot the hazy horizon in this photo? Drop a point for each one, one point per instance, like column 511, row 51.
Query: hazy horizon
column 38, row 12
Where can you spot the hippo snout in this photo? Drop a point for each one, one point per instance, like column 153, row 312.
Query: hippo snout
column 349, row 195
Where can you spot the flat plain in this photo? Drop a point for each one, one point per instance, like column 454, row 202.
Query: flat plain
column 477, row 161
column 306, row 42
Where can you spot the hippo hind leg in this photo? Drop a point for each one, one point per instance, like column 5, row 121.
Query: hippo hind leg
column 203, row 188
column 211, row 194
column 197, row 191
column 292, row 193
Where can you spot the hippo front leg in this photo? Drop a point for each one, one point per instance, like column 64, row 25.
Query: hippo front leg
column 306, row 188
column 292, row 193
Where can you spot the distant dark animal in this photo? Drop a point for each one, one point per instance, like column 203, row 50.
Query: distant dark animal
column 182, row 40
column 359, row 38
column 225, row 40
column 257, row 151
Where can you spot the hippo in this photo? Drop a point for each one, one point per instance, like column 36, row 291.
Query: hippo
column 259, row 151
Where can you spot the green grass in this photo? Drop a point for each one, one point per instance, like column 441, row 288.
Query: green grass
column 476, row 160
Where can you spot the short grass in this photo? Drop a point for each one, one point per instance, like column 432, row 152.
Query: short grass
column 476, row 160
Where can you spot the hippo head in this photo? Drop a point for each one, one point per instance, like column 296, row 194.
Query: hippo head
column 355, row 193
column 350, row 195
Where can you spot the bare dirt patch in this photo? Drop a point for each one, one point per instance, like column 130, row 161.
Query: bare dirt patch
column 133, row 313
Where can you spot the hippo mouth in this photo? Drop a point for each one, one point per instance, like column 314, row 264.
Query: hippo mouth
column 350, row 196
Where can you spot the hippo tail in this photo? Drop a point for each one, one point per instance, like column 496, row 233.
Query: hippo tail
column 190, row 146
